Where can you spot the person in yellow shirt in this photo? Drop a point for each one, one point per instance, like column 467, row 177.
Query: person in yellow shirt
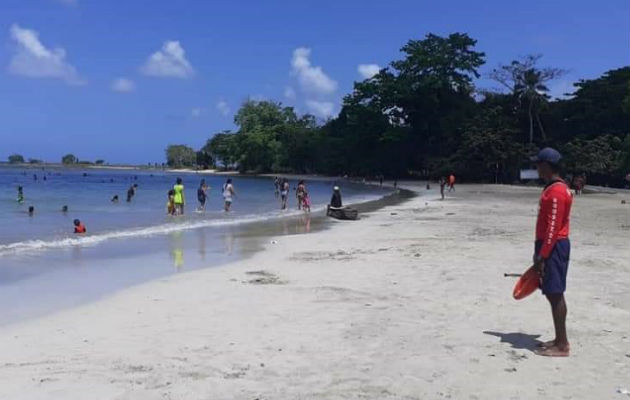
column 179, row 198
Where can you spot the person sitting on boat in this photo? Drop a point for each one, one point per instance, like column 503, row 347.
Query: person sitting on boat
column 335, row 200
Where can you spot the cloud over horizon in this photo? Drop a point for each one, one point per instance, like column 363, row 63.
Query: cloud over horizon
column 368, row 70
column 223, row 108
column 168, row 62
column 312, row 79
column 33, row 60
column 123, row 85
column 322, row 109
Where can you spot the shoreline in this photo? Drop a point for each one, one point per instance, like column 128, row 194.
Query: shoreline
column 409, row 302
column 187, row 245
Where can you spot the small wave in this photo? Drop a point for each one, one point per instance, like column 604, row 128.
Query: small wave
column 175, row 226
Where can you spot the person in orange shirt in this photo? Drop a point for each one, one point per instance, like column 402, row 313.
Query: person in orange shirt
column 79, row 227
column 451, row 182
column 552, row 246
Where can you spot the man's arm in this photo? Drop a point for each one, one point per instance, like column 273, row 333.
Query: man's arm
column 554, row 209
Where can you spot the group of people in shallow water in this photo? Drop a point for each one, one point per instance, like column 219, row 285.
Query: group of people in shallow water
column 176, row 198
column 282, row 188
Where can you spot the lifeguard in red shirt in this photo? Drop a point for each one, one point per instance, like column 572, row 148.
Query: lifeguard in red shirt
column 552, row 247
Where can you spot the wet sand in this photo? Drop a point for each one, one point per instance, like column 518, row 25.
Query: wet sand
column 409, row 302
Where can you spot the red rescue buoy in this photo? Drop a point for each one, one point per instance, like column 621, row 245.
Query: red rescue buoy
column 527, row 284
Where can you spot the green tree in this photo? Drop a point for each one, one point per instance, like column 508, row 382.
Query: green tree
column 178, row 156
column 528, row 83
column 490, row 149
column 597, row 107
column 69, row 159
column 99, row 162
column 223, row 148
column 34, row 161
column 16, row 159
column 204, row 159
column 267, row 136
column 411, row 113
column 603, row 158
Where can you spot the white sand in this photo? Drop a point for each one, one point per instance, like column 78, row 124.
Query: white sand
column 394, row 306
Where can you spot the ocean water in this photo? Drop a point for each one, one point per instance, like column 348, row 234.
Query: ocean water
column 45, row 267
column 88, row 193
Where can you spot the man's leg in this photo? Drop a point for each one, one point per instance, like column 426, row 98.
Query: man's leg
column 559, row 347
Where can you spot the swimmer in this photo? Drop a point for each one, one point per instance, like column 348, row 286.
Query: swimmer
column 79, row 227
column 115, row 199
column 64, row 209
column 20, row 195
column 31, row 211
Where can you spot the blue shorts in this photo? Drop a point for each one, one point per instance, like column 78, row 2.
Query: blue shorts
column 556, row 267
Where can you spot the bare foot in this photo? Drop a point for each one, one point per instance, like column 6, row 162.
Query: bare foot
column 553, row 351
column 544, row 345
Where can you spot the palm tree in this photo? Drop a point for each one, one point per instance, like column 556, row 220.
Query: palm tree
column 528, row 84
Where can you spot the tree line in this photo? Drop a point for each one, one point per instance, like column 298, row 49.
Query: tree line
column 423, row 116
column 68, row 159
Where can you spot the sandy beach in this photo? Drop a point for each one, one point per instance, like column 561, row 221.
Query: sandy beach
column 410, row 302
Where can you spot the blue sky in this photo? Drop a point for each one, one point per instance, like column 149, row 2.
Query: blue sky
column 120, row 80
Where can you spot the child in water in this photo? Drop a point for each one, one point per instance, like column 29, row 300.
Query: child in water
column 306, row 202
column 79, row 227
column 170, row 202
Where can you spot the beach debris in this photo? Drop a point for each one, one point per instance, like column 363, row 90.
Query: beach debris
column 393, row 213
column 622, row 390
column 451, row 213
column 510, row 369
column 623, row 202
column 264, row 278
column 274, row 242
column 417, row 255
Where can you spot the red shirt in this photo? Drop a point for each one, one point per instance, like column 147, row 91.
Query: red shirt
column 553, row 216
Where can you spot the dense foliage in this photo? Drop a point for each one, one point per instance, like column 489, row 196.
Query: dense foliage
column 16, row 159
column 69, row 159
column 422, row 116
column 179, row 155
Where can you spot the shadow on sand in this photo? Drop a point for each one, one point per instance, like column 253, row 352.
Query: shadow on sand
column 518, row 340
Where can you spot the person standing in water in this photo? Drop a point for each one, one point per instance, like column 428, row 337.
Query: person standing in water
column 552, row 246
column 131, row 192
column 20, row 194
column 276, row 186
column 202, row 195
column 170, row 202
column 228, row 194
column 284, row 193
column 178, row 197
column 300, row 194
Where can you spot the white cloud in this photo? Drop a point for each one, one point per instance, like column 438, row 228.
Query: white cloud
column 123, row 85
column 168, row 62
column 223, row 108
column 368, row 70
column 196, row 112
column 289, row 93
column 33, row 60
column 562, row 89
column 312, row 79
column 323, row 109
